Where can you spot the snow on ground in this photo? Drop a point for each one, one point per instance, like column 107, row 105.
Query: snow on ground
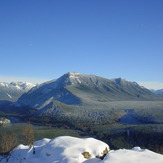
column 135, row 155
column 66, row 149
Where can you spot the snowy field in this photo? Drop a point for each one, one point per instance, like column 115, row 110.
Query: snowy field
column 66, row 149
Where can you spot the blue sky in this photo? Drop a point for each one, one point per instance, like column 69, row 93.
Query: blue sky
column 43, row 39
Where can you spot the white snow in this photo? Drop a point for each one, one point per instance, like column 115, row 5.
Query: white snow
column 18, row 85
column 133, row 156
column 22, row 85
column 74, row 76
column 74, row 73
column 3, row 84
column 66, row 149
column 9, row 95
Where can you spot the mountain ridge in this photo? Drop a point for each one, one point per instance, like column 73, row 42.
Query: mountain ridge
column 159, row 91
column 78, row 99
column 80, row 89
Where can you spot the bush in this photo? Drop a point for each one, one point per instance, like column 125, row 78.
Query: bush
column 8, row 142
column 28, row 133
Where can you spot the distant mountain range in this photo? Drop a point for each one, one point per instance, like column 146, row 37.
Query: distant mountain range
column 159, row 92
column 78, row 98
column 83, row 90
column 12, row 91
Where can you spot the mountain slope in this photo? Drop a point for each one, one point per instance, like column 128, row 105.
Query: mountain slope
column 92, row 88
column 12, row 91
column 42, row 95
column 80, row 89
column 159, row 92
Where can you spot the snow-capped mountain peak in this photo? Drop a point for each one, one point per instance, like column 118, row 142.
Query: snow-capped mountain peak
column 22, row 85
column 19, row 85
column 74, row 77
column 12, row 91
column 73, row 74
column 3, row 84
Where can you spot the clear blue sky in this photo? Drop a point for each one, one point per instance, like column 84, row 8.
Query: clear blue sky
column 43, row 39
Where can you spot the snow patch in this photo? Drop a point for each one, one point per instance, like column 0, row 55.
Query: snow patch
column 74, row 76
column 9, row 95
column 45, row 103
column 3, row 84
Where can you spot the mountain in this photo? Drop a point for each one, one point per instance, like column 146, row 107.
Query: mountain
column 159, row 92
column 81, row 89
column 12, row 91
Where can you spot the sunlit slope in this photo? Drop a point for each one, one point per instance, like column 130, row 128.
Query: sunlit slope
column 80, row 89
column 92, row 89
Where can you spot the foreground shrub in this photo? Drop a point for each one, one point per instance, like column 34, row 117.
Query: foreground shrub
column 28, row 133
column 7, row 143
